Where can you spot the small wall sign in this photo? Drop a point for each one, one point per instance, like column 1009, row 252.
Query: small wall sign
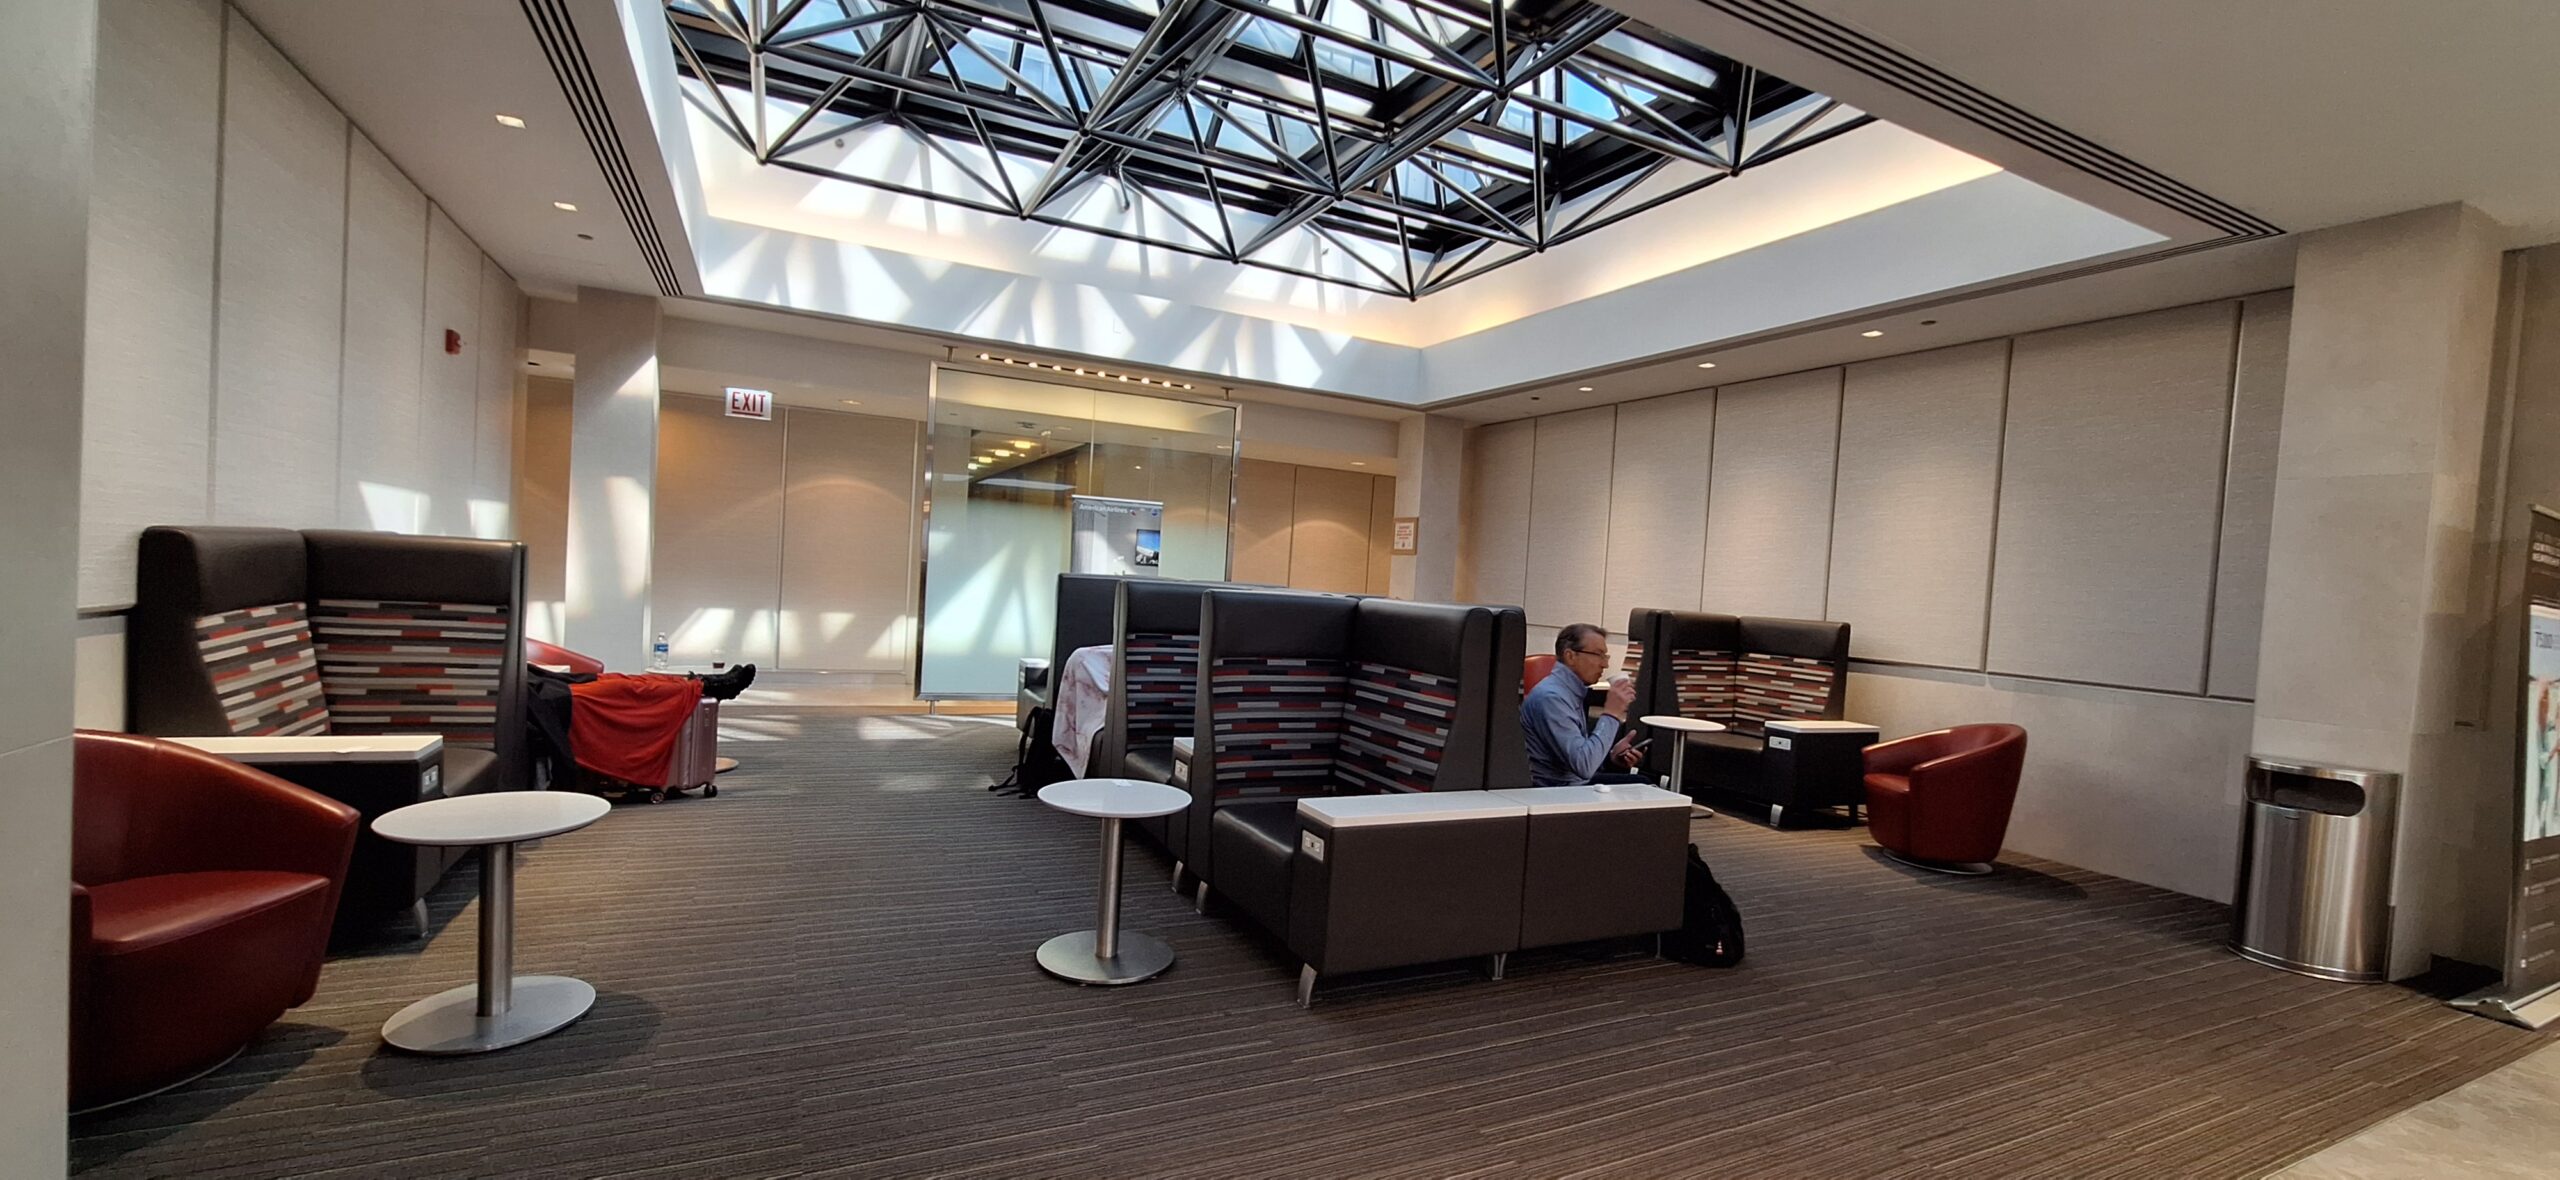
column 1408, row 532
column 750, row 403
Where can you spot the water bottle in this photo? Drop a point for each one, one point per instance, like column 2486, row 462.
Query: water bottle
column 658, row 654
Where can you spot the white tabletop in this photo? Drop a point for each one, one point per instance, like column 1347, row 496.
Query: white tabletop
column 1688, row 724
column 496, row 817
column 1114, row 798
column 389, row 747
column 1353, row 811
column 1605, row 797
column 1820, row 726
column 1182, row 747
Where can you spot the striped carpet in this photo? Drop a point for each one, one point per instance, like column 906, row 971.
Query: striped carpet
column 827, row 970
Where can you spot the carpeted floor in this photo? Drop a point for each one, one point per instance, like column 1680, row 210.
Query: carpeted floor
column 827, row 970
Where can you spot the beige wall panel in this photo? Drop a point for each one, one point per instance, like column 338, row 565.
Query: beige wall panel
column 449, row 384
column 1569, row 516
column 150, row 287
column 848, row 541
column 1329, row 533
column 2249, row 493
column 718, row 533
column 1266, row 502
column 1658, row 505
column 1382, row 531
column 2139, row 785
column 2111, row 488
column 1494, row 565
column 492, row 348
column 1919, row 482
column 1769, row 497
column 381, row 472
column 284, row 223
column 541, row 501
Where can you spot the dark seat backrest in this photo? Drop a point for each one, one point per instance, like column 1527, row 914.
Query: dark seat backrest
column 1421, row 680
column 219, row 641
column 1085, row 605
column 1789, row 670
column 261, row 632
column 1155, row 673
column 1268, row 716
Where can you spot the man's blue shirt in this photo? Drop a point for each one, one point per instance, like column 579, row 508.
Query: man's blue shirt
column 1565, row 749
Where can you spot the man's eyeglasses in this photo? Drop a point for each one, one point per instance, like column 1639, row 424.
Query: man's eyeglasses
column 1603, row 653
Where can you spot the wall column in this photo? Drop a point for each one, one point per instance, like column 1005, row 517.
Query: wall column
column 44, row 249
column 2376, row 497
column 613, row 471
column 1430, row 456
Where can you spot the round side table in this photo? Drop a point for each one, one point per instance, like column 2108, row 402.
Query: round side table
column 1683, row 726
column 502, row 1008
column 1107, row 955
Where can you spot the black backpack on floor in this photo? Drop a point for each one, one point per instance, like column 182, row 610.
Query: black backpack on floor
column 1711, row 936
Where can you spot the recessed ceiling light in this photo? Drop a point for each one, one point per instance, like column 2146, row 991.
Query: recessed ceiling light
column 1135, row 467
column 510, row 121
column 1358, row 463
column 975, row 466
column 1533, row 397
column 1582, row 389
column 1928, row 323
column 533, row 364
column 1022, row 442
column 586, row 237
column 564, row 206
column 1225, row 447
column 1872, row 333
column 851, row 402
column 1706, row 364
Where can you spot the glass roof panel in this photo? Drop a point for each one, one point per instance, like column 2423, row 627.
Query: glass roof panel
column 1404, row 152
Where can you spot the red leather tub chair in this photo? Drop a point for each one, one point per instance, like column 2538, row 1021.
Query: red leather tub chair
column 1940, row 800
column 201, row 898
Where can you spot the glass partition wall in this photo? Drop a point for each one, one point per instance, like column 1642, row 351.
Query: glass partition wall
column 1029, row 479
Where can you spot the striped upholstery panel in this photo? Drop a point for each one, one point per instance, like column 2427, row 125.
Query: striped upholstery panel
column 1164, row 684
column 1704, row 682
column 412, row 667
column 1778, row 688
column 1276, row 724
column 1632, row 656
column 1394, row 727
column 264, row 670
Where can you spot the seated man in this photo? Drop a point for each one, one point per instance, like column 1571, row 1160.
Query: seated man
column 1566, row 747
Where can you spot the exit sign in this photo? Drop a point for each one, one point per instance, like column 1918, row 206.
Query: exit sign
column 750, row 403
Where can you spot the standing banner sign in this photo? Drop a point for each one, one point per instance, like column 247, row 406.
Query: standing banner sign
column 2530, row 993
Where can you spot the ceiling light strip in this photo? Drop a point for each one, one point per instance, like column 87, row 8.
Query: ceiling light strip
column 1084, row 371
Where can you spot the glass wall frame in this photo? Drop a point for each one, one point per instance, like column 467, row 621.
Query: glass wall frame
column 1005, row 455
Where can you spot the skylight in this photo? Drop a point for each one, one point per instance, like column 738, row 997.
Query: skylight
column 1423, row 141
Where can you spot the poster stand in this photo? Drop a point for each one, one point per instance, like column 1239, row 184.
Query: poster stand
column 2529, row 995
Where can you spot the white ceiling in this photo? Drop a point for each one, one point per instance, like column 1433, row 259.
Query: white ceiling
column 2307, row 112
column 2304, row 112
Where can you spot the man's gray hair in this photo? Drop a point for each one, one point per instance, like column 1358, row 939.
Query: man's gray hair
column 1570, row 639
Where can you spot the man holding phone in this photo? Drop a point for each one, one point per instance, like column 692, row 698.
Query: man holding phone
column 1566, row 747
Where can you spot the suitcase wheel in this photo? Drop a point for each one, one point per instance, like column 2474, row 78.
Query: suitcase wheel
column 655, row 795
column 710, row 789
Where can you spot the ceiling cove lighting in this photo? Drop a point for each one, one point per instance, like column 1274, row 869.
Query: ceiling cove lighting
column 1398, row 147
column 511, row 121
column 1074, row 370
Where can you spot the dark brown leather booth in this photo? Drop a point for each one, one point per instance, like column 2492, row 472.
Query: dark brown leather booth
column 1084, row 613
column 273, row 632
column 1315, row 695
column 201, row 898
column 1742, row 672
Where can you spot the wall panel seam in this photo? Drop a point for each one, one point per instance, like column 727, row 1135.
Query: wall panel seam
column 2222, row 502
column 213, row 309
column 1831, row 511
column 346, row 247
column 1999, row 471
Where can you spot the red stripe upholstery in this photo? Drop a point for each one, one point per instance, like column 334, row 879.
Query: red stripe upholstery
column 412, row 667
column 1770, row 688
column 265, row 672
column 1276, row 724
column 1394, row 728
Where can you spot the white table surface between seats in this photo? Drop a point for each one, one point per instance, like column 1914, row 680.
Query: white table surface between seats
column 502, row 1008
column 1684, row 726
column 1107, row 955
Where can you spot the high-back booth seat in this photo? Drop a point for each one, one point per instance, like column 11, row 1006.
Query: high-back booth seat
column 1085, row 606
column 272, row 632
column 1306, row 695
column 1155, row 672
column 201, row 897
column 1742, row 672
column 1941, row 799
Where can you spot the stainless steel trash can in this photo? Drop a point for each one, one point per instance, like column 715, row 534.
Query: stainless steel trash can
column 2315, row 870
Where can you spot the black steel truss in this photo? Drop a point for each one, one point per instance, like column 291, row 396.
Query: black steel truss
column 1426, row 141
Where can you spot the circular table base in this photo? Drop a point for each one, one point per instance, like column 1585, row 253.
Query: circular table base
column 449, row 1022
column 723, row 765
column 1070, row 957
